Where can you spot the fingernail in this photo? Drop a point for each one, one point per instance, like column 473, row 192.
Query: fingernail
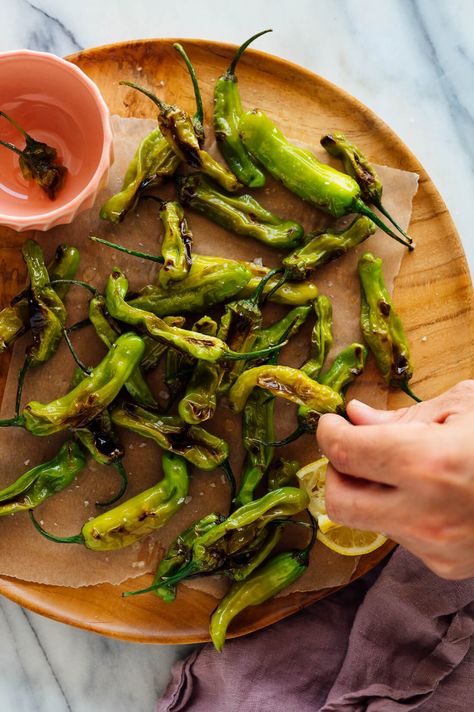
column 359, row 404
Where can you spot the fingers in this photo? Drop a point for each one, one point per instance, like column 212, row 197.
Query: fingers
column 381, row 453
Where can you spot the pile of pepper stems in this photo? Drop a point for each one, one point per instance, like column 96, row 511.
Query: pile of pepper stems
column 234, row 357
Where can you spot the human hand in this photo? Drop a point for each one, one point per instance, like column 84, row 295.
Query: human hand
column 408, row 473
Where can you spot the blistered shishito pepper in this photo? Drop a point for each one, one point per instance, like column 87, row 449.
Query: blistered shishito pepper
column 137, row 517
column 176, row 243
column 38, row 161
column 154, row 350
column 242, row 564
column 240, row 214
column 265, row 582
column 321, row 337
column 285, row 382
column 227, row 113
column 283, row 329
column 154, row 160
column 211, row 280
column 211, row 551
column 179, row 366
column 196, row 445
column 282, row 473
column 323, row 247
column 358, row 166
column 15, row 319
column 207, row 348
column 89, row 398
column 36, row 485
column 179, row 554
column 108, row 331
column 381, row 326
column 289, row 293
column 300, row 171
column 179, row 130
column 348, row 364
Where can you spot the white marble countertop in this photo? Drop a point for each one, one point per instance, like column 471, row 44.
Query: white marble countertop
column 411, row 61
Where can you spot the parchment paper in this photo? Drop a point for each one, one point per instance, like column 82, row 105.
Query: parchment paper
column 24, row 553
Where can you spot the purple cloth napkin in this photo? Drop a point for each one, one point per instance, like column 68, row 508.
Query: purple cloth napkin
column 397, row 639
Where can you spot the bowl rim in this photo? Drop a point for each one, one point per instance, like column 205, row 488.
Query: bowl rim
column 106, row 154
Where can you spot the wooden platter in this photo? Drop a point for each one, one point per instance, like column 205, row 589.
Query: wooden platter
column 433, row 294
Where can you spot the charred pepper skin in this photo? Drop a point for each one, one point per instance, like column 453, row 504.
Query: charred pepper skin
column 195, row 444
column 381, row 326
column 282, row 473
column 176, row 245
column 321, row 337
column 327, row 246
column 240, row 214
column 43, row 481
column 211, row 280
column 300, row 171
column 90, row 397
column 154, row 160
column 226, row 119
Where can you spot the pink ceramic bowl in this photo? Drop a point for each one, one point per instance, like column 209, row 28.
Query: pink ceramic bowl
column 57, row 103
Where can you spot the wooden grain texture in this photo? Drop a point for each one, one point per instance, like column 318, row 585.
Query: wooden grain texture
column 433, row 293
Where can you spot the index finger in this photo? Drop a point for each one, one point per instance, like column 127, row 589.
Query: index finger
column 386, row 453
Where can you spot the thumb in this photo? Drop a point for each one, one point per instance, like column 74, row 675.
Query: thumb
column 362, row 414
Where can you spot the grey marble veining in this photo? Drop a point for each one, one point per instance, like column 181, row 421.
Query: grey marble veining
column 411, row 61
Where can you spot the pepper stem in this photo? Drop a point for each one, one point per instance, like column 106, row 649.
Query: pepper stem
column 199, row 115
column 188, row 570
column 385, row 212
column 303, row 555
column 231, row 70
column 255, row 298
column 14, row 123
column 406, row 389
column 18, row 422
column 159, row 103
column 77, row 539
column 134, row 253
column 300, row 430
column 239, row 356
column 21, row 379
column 363, row 209
column 76, row 358
column 277, row 286
column 9, row 145
column 78, row 325
column 124, row 483
column 77, row 283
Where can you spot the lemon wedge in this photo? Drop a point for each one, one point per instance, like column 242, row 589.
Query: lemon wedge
column 337, row 537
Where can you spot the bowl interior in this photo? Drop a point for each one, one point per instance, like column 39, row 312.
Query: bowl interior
column 54, row 104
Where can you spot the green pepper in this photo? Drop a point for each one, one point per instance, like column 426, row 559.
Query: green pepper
column 288, row 293
column 227, row 113
column 154, row 160
column 282, row 473
column 38, row 161
column 89, row 398
column 178, row 129
column 283, row 329
column 179, row 554
column 212, row 549
column 242, row 565
column 36, row 485
column 108, row 331
column 300, row 171
column 154, row 350
column 267, row 581
column 348, row 364
column 176, row 245
column 381, row 326
column 207, row 348
column 242, row 215
column 15, row 319
column 323, row 247
column 196, row 445
column 321, row 337
column 137, row 517
column 288, row 383
column 359, row 168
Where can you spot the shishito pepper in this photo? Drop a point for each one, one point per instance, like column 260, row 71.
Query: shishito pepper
column 137, row 517
column 227, row 113
column 242, row 564
column 240, row 214
column 154, row 350
column 382, row 327
column 196, row 445
column 212, row 549
column 153, row 161
column 265, row 582
column 176, row 244
column 200, row 400
column 283, row 329
column 321, row 337
column 288, row 383
column 358, row 166
column 179, row 130
column 300, row 171
column 327, row 246
column 179, row 554
column 207, row 348
column 282, row 473
column 38, row 161
column 41, row 482
column 89, row 398
column 289, row 293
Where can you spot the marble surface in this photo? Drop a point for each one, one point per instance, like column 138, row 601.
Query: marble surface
column 411, row 61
